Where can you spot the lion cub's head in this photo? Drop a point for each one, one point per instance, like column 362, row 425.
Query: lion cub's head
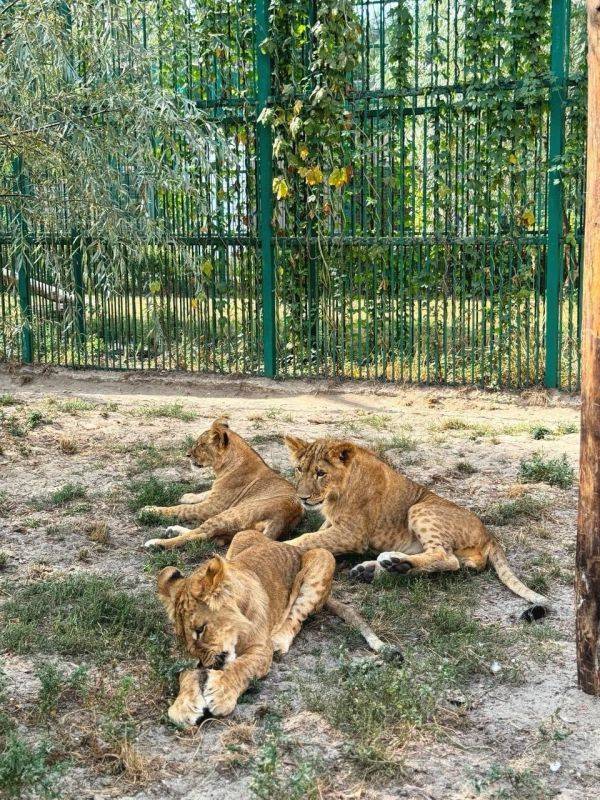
column 321, row 468
column 211, row 447
column 204, row 610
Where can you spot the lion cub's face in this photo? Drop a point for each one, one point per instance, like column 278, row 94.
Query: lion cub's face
column 206, row 620
column 210, row 447
column 321, row 468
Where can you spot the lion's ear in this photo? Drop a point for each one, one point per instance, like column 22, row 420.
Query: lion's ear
column 297, row 447
column 342, row 451
column 167, row 581
column 205, row 581
column 220, row 435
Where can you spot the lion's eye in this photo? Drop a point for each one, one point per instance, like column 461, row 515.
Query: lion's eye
column 320, row 473
column 200, row 630
column 298, row 470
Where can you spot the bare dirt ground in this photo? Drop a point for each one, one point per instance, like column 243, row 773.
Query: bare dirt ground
column 485, row 706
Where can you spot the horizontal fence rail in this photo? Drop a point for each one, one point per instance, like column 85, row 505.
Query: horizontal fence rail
column 406, row 209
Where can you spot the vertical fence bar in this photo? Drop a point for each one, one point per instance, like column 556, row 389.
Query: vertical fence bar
column 265, row 191
column 555, row 188
column 77, row 267
column 21, row 188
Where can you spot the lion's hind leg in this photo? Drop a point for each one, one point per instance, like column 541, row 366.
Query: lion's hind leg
column 429, row 526
column 309, row 593
column 472, row 558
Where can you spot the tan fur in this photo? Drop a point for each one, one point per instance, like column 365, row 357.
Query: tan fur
column 246, row 494
column 233, row 613
column 368, row 506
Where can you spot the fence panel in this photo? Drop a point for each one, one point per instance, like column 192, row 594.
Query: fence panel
column 434, row 237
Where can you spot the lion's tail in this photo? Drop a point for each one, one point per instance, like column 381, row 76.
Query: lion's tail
column 354, row 619
column 500, row 563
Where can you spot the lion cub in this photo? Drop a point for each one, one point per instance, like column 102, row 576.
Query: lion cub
column 246, row 494
column 233, row 613
column 369, row 506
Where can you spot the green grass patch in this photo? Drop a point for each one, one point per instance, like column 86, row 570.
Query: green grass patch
column 54, row 686
column 279, row 771
column 379, row 705
column 26, row 768
column 505, row 783
column 14, row 427
column 147, row 457
column 61, row 497
column 8, row 400
column 525, row 507
column 80, row 615
column 554, row 471
column 34, row 420
column 74, row 405
column 399, row 441
column 188, row 558
column 565, row 428
column 456, row 424
column 153, row 491
column 540, row 432
column 68, row 493
column 264, row 438
column 168, row 410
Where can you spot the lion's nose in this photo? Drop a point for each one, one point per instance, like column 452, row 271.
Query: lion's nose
column 220, row 661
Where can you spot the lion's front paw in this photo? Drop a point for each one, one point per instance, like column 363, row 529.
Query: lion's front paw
column 152, row 543
column 190, row 497
column 394, row 562
column 365, row 571
column 221, row 697
column 176, row 530
column 190, row 705
column 282, row 641
column 154, row 510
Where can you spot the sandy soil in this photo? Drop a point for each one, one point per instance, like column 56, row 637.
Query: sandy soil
column 539, row 726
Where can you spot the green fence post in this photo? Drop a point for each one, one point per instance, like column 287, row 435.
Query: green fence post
column 21, row 188
column 265, row 192
column 77, row 267
column 556, row 138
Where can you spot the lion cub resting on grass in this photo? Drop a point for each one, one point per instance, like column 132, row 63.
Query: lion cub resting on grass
column 246, row 494
column 233, row 613
column 367, row 505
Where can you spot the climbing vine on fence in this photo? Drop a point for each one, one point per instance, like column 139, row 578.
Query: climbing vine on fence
column 312, row 58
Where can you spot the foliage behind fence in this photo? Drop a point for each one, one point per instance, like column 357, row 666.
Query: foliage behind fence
column 396, row 193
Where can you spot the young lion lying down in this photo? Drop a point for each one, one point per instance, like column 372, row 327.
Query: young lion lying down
column 246, row 494
column 233, row 613
column 367, row 505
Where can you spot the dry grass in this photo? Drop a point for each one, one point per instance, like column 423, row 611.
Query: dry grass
column 99, row 532
column 135, row 767
column 67, row 446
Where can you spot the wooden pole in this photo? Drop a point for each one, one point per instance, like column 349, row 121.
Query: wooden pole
column 587, row 577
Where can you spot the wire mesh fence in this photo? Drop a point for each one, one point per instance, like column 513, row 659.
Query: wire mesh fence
column 441, row 243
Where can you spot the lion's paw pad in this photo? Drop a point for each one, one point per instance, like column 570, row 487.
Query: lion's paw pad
column 176, row 530
column 151, row 543
column 364, row 572
column 392, row 563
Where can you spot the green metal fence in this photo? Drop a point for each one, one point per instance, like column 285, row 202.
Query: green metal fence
column 449, row 251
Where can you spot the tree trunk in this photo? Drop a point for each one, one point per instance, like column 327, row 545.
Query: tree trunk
column 587, row 578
